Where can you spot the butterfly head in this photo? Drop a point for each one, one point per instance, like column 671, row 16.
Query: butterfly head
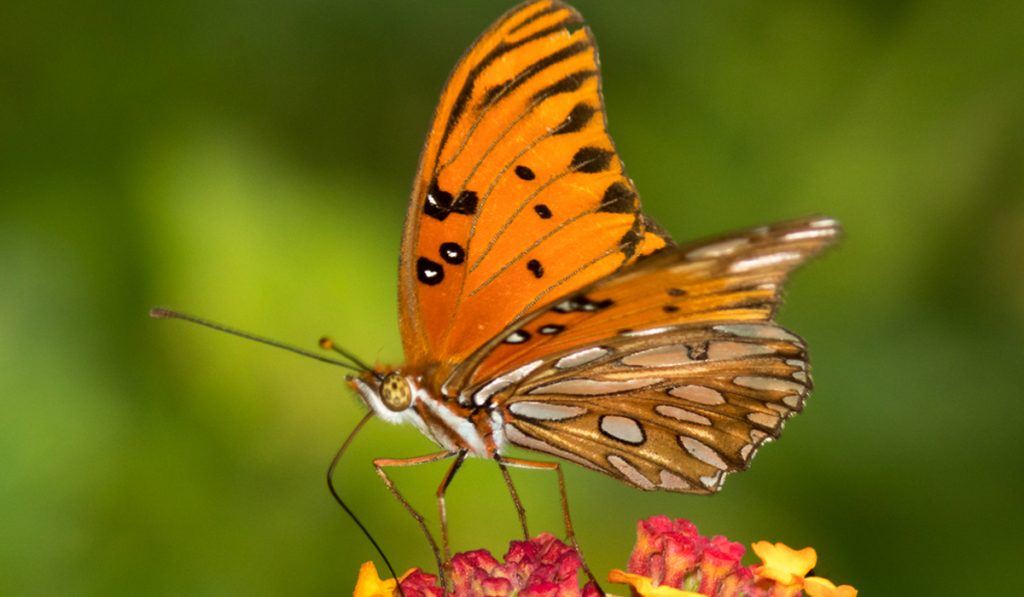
column 390, row 393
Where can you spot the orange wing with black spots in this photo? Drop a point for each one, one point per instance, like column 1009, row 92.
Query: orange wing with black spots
column 520, row 197
column 731, row 279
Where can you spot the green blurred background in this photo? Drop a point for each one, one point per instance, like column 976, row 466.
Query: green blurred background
column 251, row 162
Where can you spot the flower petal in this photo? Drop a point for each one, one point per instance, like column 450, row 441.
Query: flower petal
column 645, row 587
column 784, row 564
column 815, row 586
column 369, row 583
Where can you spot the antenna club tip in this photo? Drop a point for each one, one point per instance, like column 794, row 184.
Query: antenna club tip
column 159, row 313
column 326, row 343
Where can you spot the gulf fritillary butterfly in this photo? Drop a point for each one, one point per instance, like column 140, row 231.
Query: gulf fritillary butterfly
column 540, row 308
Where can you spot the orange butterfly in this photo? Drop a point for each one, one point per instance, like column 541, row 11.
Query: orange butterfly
column 540, row 308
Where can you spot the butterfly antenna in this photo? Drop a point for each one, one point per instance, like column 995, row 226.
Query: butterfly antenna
column 161, row 313
column 328, row 344
column 351, row 514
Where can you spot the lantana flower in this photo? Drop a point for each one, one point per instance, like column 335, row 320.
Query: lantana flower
column 670, row 559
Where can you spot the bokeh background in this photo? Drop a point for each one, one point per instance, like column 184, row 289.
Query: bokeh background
column 251, row 162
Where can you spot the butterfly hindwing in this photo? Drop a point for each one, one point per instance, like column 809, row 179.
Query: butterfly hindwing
column 675, row 410
column 518, row 171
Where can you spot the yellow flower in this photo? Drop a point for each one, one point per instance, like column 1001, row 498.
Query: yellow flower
column 645, row 586
column 815, row 586
column 784, row 564
column 369, row 583
column 789, row 567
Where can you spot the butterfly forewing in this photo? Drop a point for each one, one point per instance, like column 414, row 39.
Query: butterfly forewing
column 674, row 410
column 736, row 278
column 518, row 171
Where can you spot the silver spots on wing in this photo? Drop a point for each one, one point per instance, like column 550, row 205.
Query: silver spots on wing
column 765, row 261
column 698, row 394
column 517, row 337
column 630, row 472
column 647, row 332
column 725, row 350
column 768, row 384
column 673, row 482
column 663, row 356
column 623, row 429
column 520, row 438
column 594, row 387
column 546, row 411
column 581, row 357
column 703, row 452
column 756, row 330
column 483, row 395
column 682, row 415
column 763, row 419
column 792, row 401
column 713, row 482
column 718, row 249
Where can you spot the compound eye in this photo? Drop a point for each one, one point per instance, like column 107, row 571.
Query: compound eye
column 395, row 392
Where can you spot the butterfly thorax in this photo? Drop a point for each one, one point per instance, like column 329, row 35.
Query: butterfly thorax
column 400, row 397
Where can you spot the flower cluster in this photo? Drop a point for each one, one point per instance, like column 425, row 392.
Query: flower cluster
column 670, row 559
column 540, row 567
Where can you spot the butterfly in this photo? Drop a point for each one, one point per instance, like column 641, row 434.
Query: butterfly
column 541, row 309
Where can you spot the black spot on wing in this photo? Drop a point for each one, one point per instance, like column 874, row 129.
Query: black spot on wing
column 543, row 211
column 439, row 204
column 536, row 268
column 576, row 120
column 591, row 160
column 453, row 253
column 525, row 173
column 429, row 272
column 619, row 199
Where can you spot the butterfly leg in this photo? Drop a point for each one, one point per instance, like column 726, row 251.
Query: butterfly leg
column 380, row 464
column 570, row 534
column 520, row 510
column 442, row 511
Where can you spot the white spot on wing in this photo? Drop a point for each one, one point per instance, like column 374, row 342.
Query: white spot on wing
column 763, row 419
column 772, row 384
column 594, row 387
column 809, row 233
column 723, row 351
column 520, row 438
column 663, row 356
column 764, row 261
column 681, row 414
column 545, row 411
column 648, row 332
column 673, row 482
column 703, row 452
column 481, row 396
column 718, row 249
column 622, row 428
column 713, row 482
column 630, row 472
column 699, row 394
column 755, row 330
column 792, row 401
column 582, row 357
